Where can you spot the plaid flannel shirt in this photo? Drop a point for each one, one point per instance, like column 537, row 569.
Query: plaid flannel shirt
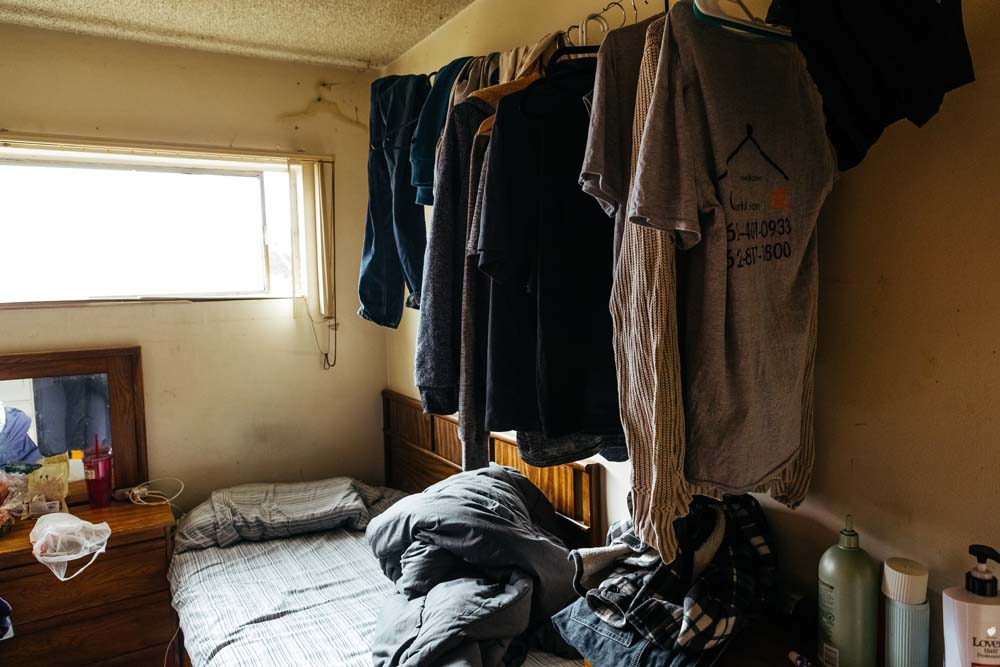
column 664, row 602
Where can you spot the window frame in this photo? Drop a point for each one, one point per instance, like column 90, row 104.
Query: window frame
column 303, row 212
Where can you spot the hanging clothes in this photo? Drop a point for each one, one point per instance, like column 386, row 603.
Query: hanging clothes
column 429, row 128
column 547, row 248
column 644, row 297
column 876, row 62
column 606, row 173
column 478, row 73
column 527, row 60
column 472, row 381
column 735, row 165
column 438, row 355
column 395, row 234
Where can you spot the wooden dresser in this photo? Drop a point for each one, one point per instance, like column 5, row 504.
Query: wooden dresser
column 116, row 613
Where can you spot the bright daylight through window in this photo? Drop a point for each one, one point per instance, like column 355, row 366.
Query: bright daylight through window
column 87, row 224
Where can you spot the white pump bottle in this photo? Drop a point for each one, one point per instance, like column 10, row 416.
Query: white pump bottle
column 972, row 615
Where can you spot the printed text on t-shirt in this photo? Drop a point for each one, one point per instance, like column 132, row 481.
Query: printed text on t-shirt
column 769, row 241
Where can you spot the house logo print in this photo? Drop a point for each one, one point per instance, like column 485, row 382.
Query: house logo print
column 779, row 197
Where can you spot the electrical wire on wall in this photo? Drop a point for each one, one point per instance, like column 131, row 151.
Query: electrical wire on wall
column 330, row 353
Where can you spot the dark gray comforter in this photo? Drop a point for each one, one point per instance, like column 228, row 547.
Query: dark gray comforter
column 475, row 566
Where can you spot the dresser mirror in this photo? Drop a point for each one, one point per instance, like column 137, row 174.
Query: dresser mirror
column 54, row 415
column 55, row 403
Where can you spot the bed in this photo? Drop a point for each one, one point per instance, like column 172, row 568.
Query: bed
column 305, row 601
column 313, row 599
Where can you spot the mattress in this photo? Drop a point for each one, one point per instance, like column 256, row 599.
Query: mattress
column 306, row 601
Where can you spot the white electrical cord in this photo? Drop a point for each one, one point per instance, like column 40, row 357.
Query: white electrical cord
column 166, row 656
column 144, row 495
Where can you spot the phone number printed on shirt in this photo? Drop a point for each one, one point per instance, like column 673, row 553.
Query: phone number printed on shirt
column 774, row 234
column 758, row 229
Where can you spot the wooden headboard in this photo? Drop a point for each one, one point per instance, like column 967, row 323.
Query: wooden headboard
column 421, row 450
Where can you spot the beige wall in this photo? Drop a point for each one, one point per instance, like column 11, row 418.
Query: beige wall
column 234, row 391
column 909, row 370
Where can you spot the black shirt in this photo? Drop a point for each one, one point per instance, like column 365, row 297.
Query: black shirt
column 548, row 247
column 878, row 61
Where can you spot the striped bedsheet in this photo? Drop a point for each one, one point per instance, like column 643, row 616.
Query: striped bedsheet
column 305, row 601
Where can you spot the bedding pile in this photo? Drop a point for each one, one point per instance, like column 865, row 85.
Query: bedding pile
column 476, row 568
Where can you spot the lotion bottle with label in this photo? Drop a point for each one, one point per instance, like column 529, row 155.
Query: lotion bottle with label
column 972, row 615
column 848, row 603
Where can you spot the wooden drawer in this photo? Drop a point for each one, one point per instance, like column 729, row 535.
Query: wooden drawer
column 116, row 576
column 95, row 636
column 147, row 657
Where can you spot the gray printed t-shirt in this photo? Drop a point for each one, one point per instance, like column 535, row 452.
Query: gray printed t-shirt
column 736, row 164
column 607, row 163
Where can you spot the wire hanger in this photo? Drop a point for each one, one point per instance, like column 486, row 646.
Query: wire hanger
column 596, row 16
column 584, row 48
column 713, row 12
column 321, row 105
column 617, row 4
column 635, row 11
column 566, row 34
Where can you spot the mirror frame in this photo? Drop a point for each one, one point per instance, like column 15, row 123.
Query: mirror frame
column 123, row 367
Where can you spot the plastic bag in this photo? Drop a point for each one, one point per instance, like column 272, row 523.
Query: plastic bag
column 51, row 481
column 60, row 538
column 17, row 493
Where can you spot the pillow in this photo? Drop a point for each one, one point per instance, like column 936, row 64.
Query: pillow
column 257, row 512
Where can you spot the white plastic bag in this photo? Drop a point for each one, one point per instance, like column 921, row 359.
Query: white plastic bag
column 60, row 538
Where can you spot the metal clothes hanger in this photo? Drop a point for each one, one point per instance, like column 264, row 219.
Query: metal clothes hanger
column 583, row 48
column 711, row 11
column 566, row 35
column 635, row 10
column 617, row 4
column 596, row 16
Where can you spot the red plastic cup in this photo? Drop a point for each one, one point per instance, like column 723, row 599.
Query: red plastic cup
column 97, row 472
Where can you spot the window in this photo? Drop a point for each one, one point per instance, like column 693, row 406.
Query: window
column 82, row 223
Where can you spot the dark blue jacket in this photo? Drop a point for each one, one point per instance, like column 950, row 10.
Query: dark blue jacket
column 429, row 127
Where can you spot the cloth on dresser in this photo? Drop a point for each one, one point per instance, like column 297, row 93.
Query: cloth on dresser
column 393, row 253
column 429, row 128
column 876, row 62
column 725, row 574
column 475, row 567
column 547, row 247
column 735, row 165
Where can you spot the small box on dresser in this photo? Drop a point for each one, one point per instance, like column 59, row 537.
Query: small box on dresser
column 116, row 613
